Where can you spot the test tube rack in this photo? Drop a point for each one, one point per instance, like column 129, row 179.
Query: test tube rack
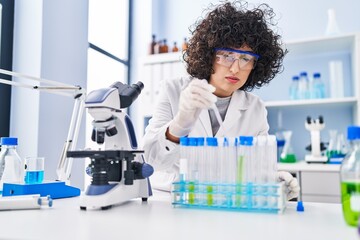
column 246, row 197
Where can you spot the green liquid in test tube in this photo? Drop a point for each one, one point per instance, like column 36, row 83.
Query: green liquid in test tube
column 193, row 170
column 183, row 168
column 239, row 176
column 211, row 155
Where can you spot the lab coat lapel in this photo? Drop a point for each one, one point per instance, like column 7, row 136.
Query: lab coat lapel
column 238, row 104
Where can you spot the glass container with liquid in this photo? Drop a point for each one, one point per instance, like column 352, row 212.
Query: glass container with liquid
column 11, row 167
column 350, row 178
column 34, row 170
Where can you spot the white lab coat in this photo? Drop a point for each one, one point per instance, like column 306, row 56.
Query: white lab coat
column 245, row 116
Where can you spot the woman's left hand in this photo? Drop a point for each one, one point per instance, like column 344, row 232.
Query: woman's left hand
column 291, row 183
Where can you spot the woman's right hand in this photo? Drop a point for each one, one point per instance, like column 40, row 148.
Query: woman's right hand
column 196, row 96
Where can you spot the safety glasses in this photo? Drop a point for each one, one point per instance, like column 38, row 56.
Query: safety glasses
column 227, row 56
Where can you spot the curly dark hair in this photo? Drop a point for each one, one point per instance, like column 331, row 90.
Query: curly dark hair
column 232, row 25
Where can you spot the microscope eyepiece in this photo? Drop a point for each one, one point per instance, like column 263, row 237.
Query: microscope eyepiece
column 127, row 93
column 139, row 86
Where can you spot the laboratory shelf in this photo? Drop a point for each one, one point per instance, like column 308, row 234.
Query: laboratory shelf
column 321, row 45
column 162, row 58
column 332, row 102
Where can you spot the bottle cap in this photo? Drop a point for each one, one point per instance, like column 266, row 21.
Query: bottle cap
column 184, row 141
column 316, row 75
column 295, row 78
column 353, row 132
column 211, row 141
column 200, row 141
column 9, row 141
column 303, row 74
column 246, row 140
column 192, row 141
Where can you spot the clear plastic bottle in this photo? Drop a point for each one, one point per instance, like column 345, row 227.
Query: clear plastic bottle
column 11, row 169
column 350, row 178
column 318, row 86
column 294, row 88
column 304, row 86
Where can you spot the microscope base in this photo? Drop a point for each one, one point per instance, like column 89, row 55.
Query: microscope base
column 118, row 194
column 313, row 159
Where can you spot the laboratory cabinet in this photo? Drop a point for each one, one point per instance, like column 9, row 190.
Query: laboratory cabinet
column 310, row 55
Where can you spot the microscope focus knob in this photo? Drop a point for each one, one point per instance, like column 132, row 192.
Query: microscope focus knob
column 147, row 170
column 142, row 170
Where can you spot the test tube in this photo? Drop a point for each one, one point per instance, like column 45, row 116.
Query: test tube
column 249, row 176
column 263, row 163
column 271, row 152
column 240, row 173
column 183, row 169
column 184, row 155
column 193, row 170
column 223, row 161
column 201, row 168
column 211, row 174
column 231, row 171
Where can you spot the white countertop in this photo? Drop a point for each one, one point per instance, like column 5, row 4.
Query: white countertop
column 308, row 167
column 157, row 219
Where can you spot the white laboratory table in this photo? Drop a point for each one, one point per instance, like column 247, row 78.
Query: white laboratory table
column 157, row 219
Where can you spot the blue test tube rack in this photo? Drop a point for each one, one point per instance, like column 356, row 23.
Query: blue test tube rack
column 237, row 197
column 251, row 187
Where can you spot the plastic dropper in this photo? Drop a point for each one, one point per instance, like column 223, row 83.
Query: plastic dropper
column 218, row 118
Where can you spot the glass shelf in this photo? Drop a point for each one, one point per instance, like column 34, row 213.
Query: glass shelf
column 346, row 101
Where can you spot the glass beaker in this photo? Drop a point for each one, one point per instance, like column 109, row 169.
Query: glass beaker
column 34, row 170
column 287, row 155
column 331, row 150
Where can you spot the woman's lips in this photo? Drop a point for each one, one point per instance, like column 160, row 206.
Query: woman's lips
column 232, row 79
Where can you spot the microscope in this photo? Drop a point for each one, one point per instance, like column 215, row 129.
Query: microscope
column 317, row 147
column 118, row 170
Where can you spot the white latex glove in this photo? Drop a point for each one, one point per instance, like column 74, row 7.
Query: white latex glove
column 196, row 96
column 291, row 183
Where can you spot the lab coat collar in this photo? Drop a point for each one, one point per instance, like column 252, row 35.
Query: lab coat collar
column 239, row 102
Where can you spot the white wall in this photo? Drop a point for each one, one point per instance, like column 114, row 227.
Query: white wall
column 142, row 29
column 50, row 41
column 297, row 19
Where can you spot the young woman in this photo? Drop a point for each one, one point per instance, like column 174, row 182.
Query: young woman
column 232, row 51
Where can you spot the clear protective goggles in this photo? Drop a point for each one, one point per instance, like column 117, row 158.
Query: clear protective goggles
column 227, row 56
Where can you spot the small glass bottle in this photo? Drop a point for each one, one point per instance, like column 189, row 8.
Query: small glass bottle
column 175, row 48
column 294, row 88
column 318, row 86
column 304, row 86
column 185, row 45
column 152, row 45
column 350, row 178
column 164, row 48
column 11, row 170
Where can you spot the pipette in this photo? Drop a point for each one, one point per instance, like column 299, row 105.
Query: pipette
column 24, row 202
column 218, row 118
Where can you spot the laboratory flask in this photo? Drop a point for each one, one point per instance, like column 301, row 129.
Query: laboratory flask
column 11, row 169
column 350, row 178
